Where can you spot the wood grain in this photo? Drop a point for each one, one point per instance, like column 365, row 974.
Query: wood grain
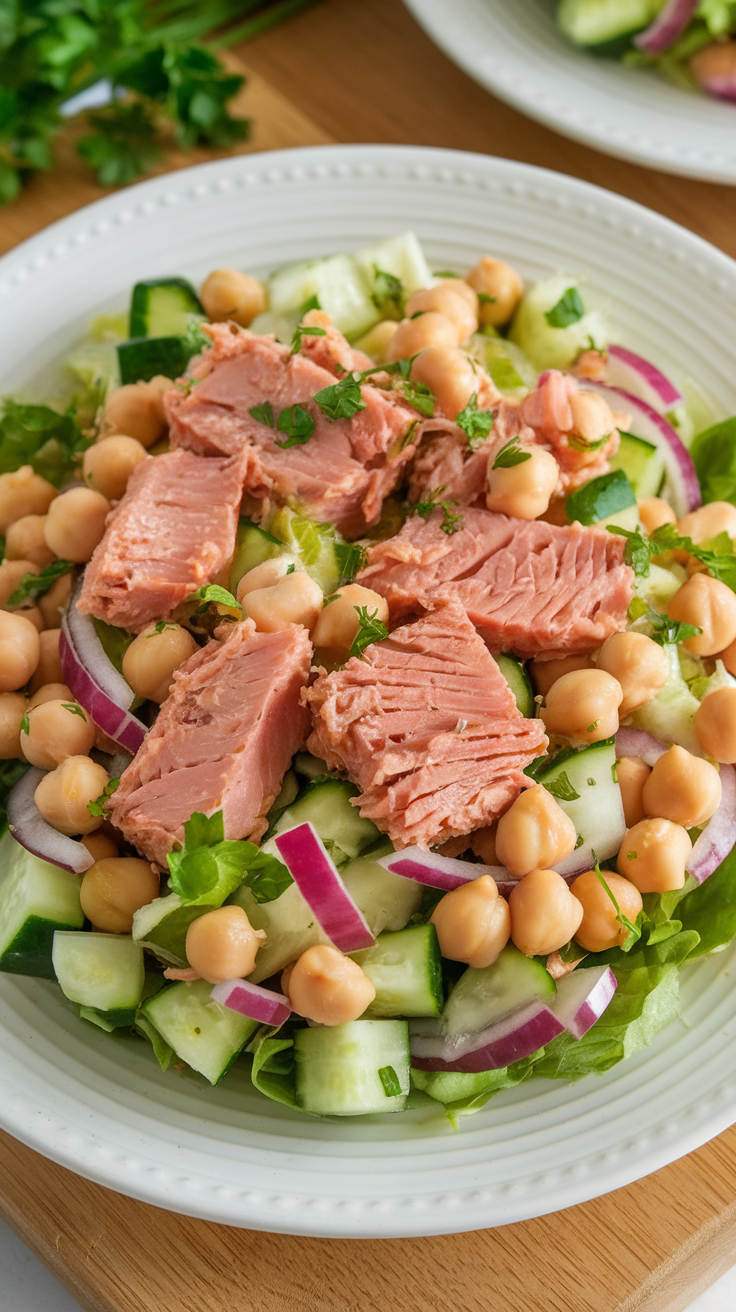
column 361, row 70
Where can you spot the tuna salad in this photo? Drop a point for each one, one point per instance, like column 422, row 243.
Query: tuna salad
column 367, row 681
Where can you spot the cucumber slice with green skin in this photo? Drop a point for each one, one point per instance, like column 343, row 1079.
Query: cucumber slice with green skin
column 351, row 1070
column 315, row 545
column 597, row 811
column 36, row 899
column 164, row 307
column 204, row 1034
column 484, row 996
column 104, row 972
column 518, row 680
column 339, row 286
column 548, row 346
column 326, row 804
column 402, row 257
column 602, row 500
column 382, row 901
column 405, row 969
column 642, row 463
column 605, row 26
column 253, row 545
column 142, row 358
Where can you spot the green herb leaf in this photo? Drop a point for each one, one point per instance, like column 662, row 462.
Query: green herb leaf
column 718, row 556
column 582, row 444
column 638, row 551
column 390, row 1081
column 511, row 454
column 39, row 436
column 97, row 807
column 504, row 375
column 475, row 423
column 562, row 789
column 305, row 330
column 263, row 413
column 35, row 585
column 370, row 630
column 213, row 593
column 75, row 709
column 123, row 147
column 419, row 396
column 341, row 400
column 209, row 862
column 311, row 303
column 637, row 608
column 388, row 294
column 350, row 557
column 451, row 520
column 25, row 724
column 568, row 310
column 161, row 625
column 666, row 631
column 634, row 933
column 297, row 424
column 485, row 299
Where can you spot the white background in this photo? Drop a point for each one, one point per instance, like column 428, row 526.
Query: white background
column 27, row 1286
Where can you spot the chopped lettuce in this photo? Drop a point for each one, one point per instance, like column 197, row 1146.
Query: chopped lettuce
column 710, row 909
column 272, row 1072
column 37, row 435
column 714, row 456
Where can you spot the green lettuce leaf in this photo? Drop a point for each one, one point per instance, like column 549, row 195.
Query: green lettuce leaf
column 710, row 909
column 39, row 436
column 714, row 456
column 464, row 1093
column 272, row 1072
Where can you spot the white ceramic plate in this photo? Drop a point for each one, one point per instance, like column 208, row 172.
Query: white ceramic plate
column 99, row 1104
column 514, row 49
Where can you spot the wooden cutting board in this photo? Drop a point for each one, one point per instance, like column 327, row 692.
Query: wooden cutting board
column 361, row 70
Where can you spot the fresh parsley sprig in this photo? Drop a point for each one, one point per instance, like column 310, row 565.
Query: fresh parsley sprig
column 297, row 424
column 305, row 330
column 97, row 807
column 35, row 585
column 475, row 423
column 511, row 454
column 451, row 519
column 568, row 310
column 341, row 400
column 717, row 556
column 370, row 630
column 634, row 932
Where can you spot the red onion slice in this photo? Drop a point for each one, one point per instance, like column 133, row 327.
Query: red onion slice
column 652, row 427
column 29, row 828
column 82, row 636
column 638, row 376
column 582, row 998
column 719, row 835
column 667, row 26
column 319, row 882
column 635, row 742
column 263, row 1005
column 117, row 722
column 516, row 1036
column 443, row 872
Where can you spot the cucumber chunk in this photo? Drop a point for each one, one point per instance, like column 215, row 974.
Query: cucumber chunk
column 142, row 358
column 319, row 546
column 405, row 969
column 36, row 899
column 164, row 307
column 352, row 1069
column 253, row 545
column 402, row 257
column 597, row 811
column 102, row 972
column 483, row 996
column 338, row 285
column 643, row 464
column 204, row 1034
column 519, row 682
column 669, row 716
column 548, row 346
column 326, row 803
column 606, row 500
column 388, row 903
column 606, row 26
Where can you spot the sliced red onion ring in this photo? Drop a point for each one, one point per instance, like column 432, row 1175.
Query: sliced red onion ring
column 124, row 728
column 652, row 427
column 82, row 636
column 582, row 998
column 29, row 828
column 666, row 27
column 313, row 870
column 260, row 1004
column 635, row 742
column 510, row 1039
column 719, row 835
column 443, row 872
column 638, row 376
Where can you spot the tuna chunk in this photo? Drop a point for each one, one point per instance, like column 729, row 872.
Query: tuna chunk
column 333, row 351
column 222, row 740
column 445, row 461
column 339, row 476
column 173, row 531
column 428, row 729
column 529, row 587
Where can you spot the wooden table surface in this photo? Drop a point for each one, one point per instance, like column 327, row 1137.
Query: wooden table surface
column 361, row 70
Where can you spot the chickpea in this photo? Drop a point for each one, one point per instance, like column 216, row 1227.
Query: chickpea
column 26, row 540
column 523, row 490
column 414, row 335
column 715, row 725
column 544, row 913
column 545, row 673
column 714, row 65
column 109, row 463
column 150, row 660
column 13, row 707
column 229, row 294
column 448, row 374
column 137, row 410
column 100, row 846
column 222, row 944
column 592, row 417
column 23, row 493
column 326, row 986
column 446, row 299
column 49, row 668
column 11, row 574
column 63, row 795
column 377, row 341
column 75, row 524
column 54, row 732
column 632, row 774
column 535, row 833
column 654, row 512
column 51, row 692
column 638, row 663
column 600, row 928
column 707, row 522
column 712, row 606
column 338, row 622
column 473, row 922
column 20, row 650
column 53, row 602
column 682, row 788
column 654, row 855
column 295, row 599
column 114, row 888
column 267, row 574
column 583, row 705
column 500, row 282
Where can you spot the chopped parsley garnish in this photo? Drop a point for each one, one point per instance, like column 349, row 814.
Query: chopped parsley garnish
column 582, row 444
column 638, row 551
column 511, row 454
column 370, row 630
column 35, row 585
column 444, row 273
column 476, row 424
column 326, row 600
column 419, row 396
column 209, row 861
column 568, row 310
column 717, row 555
column 562, row 789
column 305, row 330
column 213, row 593
column 297, row 424
column 485, row 299
column 341, row 400
column 504, row 374
column 592, row 727
column 634, row 932
column 349, row 558
column 311, row 303
column 291, row 569
column 667, row 631
column 451, row 519
column 25, row 724
column 74, row 709
column 98, row 806
column 388, row 293
column 161, row 625
column 390, row 1081
column 263, row 413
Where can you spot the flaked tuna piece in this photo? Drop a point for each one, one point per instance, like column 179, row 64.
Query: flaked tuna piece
column 332, row 352
column 222, row 741
column 428, row 729
column 172, row 532
column 533, row 588
column 339, row 476
column 446, row 461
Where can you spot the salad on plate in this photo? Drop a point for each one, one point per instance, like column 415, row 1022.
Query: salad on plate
column 367, row 681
